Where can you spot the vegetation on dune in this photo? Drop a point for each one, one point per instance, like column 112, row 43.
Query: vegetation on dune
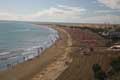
column 99, row 74
column 112, row 72
column 96, row 68
column 115, row 64
column 114, row 69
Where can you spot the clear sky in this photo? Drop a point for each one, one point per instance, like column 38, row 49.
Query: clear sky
column 94, row 11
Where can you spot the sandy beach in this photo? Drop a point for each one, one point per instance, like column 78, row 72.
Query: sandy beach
column 68, row 59
column 52, row 58
column 53, row 70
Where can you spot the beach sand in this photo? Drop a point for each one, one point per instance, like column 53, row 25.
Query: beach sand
column 52, row 59
column 53, row 70
column 65, row 59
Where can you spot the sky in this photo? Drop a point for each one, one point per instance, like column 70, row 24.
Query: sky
column 75, row 11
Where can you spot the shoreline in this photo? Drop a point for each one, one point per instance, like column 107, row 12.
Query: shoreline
column 23, row 71
column 10, row 59
column 56, row 68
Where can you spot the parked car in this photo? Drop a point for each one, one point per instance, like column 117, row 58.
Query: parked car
column 115, row 48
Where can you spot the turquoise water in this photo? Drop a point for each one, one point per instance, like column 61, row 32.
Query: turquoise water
column 21, row 41
column 17, row 35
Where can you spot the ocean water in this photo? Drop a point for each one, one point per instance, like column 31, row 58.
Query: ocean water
column 19, row 39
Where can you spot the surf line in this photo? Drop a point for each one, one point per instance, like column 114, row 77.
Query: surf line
column 10, row 59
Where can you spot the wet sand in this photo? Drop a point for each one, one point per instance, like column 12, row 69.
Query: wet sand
column 52, row 58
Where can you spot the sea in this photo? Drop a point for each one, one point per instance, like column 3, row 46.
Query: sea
column 21, row 37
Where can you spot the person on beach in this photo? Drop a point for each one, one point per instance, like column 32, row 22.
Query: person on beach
column 41, row 48
column 38, row 51
column 8, row 65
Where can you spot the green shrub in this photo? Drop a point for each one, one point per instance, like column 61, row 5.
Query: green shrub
column 98, row 73
column 116, row 64
column 96, row 67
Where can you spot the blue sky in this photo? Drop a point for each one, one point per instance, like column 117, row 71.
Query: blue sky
column 94, row 11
